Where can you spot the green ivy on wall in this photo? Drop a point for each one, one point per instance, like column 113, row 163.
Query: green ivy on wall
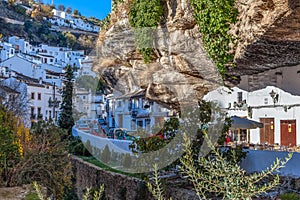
column 214, row 18
column 144, row 17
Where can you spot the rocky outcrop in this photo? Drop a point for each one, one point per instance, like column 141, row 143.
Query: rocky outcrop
column 181, row 70
column 268, row 32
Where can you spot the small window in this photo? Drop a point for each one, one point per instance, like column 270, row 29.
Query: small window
column 32, row 110
column 140, row 123
column 83, row 97
column 32, row 95
column 39, row 110
column 266, row 101
column 39, row 96
column 119, row 103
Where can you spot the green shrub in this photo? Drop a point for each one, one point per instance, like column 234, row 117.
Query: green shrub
column 289, row 196
column 19, row 9
column 215, row 175
column 32, row 196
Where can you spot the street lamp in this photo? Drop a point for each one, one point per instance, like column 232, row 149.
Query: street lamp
column 274, row 96
column 53, row 103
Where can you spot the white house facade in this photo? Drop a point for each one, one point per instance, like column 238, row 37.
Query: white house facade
column 133, row 111
column 6, row 51
column 89, row 104
column 61, row 18
column 277, row 106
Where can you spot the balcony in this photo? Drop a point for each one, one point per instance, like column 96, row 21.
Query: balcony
column 134, row 113
column 138, row 113
column 98, row 98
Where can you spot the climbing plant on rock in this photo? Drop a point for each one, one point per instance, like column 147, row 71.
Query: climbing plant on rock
column 214, row 18
column 144, row 17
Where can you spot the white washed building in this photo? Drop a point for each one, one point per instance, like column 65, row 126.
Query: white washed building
column 91, row 105
column 20, row 45
column 273, row 98
column 85, row 68
column 24, row 67
column 6, row 51
column 61, row 18
column 133, row 111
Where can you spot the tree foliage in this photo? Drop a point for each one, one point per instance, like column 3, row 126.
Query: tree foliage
column 105, row 22
column 40, row 11
column 66, row 120
column 70, row 39
column 159, row 138
column 11, row 2
column 14, row 136
column 9, row 147
column 220, row 177
column 225, row 178
column 61, row 7
column 46, row 160
column 75, row 12
column 69, row 10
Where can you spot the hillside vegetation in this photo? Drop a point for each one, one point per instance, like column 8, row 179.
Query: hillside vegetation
column 37, row 30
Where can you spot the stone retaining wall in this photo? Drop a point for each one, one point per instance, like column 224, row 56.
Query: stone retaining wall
column 117, row 186
column 122, row 187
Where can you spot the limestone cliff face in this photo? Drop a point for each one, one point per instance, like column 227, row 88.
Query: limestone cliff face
column 180, row 69
column 268, row 37
column 268, row 32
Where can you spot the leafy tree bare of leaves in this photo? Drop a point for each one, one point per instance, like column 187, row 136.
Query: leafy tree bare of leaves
column 18, row 103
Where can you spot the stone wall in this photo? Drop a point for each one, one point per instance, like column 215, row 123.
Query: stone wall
column 121, row 187
column 117, row 186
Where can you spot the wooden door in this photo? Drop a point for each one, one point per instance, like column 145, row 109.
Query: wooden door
column 288, row 132
column 267, row 132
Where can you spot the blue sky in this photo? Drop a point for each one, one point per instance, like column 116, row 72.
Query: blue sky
column 88, row 8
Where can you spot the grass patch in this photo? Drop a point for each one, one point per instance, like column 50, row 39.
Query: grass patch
column 31, row 196
column 289, row 196
column 96, row 162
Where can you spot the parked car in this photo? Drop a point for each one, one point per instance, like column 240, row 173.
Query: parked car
column 119, row 134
